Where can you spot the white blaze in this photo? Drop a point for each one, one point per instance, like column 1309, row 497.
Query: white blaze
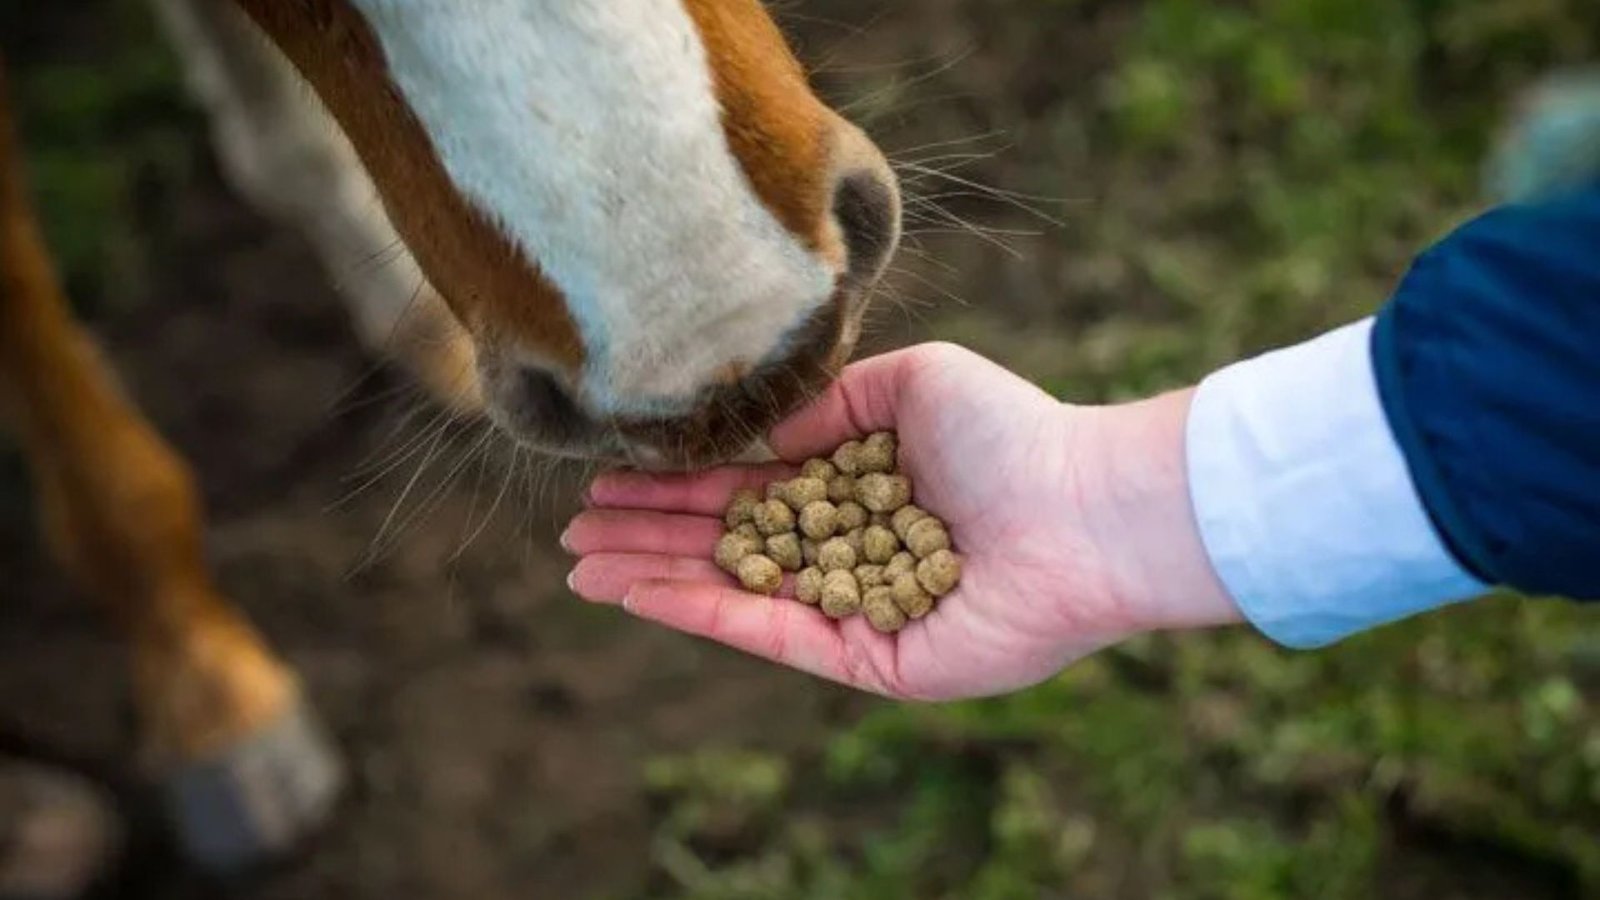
column 591, row 131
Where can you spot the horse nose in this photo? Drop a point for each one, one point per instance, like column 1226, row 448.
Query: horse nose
column 542, row 403
column 866, row 204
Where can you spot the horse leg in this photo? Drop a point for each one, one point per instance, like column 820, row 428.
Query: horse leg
column 221, row 715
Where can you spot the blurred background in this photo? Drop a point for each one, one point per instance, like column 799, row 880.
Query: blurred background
column 1112, row 197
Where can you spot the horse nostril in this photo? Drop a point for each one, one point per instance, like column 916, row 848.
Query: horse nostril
column 543, row 400
column 868, row 208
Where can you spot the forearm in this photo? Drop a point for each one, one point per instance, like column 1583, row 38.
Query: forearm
column 1135, row 497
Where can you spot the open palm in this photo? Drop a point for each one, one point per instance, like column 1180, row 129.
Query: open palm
column 988, row 453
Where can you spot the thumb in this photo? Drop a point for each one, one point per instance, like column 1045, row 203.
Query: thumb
column 863, row 400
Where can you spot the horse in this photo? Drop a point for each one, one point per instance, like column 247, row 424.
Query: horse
column 621, row 230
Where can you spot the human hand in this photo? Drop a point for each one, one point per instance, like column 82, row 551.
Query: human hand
column 1073, row 523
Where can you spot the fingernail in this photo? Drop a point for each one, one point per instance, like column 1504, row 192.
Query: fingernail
column 589, row 498
column 572, row 581
column 566, row 540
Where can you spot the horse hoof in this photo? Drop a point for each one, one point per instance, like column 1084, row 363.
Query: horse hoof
column 256, row 802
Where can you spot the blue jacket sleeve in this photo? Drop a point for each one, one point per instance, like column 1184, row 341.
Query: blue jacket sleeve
column 1488, row 366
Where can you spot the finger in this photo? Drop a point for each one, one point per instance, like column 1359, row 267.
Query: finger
column 606, row 577
column 699, row 493
column 787, row 633
column 861, row 401
column 641, row 531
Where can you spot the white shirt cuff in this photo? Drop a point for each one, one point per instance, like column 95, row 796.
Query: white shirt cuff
column 1304, row 501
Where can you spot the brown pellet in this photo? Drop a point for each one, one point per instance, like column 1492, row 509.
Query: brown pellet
column 910, row 597
column 856, row 538
column 808, row 586
column 883, row 493
column 774, row 517
column 760, row 574
column 903, row 563
column 819, row 520
column 927, row 537
column 732, row 548
column 870, row 576
column 879, row 545
column 742, row 508
column 847, row 459
column 852, row 515
column 905, row 517
column 836, row 555
column 877, row 453
column 820, row 469
column 841, row 597
column 878, row 605
column 939, row 573
column 804, row 491
column 784, row 549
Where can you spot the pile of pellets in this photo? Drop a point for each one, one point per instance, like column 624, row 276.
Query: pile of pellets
column 848, row 530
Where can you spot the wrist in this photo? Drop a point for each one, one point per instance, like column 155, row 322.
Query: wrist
column 1134, row 497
